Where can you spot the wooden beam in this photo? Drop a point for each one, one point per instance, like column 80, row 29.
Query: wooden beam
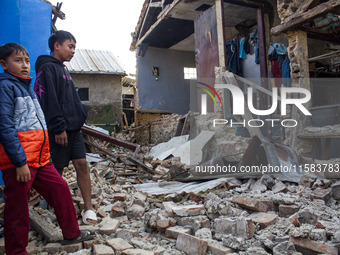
column 144, row 19
column 321, row 34
column 262, row 44
column 138, row 162
column 161, row 16
column 324, row 56
column 306, row 6
column 302, row 18
column 156, row 5
column 44, row 228
column 113, row 157
column 94, row 133
column 246, row 3
column 262, row 55
column 221, row 33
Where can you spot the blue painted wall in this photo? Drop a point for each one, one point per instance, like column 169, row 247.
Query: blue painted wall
column 27, row 22
column 171, row 92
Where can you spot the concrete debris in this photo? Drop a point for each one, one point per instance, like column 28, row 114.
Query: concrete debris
column 192, row 152
column 172, row 189
column 334, row 130
column 142, row 211
column 164, row 150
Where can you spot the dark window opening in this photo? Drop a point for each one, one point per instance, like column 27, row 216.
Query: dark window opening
column 83, row 94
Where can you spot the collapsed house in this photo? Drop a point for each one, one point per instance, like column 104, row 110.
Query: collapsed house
column 173, row 37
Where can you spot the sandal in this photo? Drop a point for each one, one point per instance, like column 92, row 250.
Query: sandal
column 84, row 236
column 89, row 214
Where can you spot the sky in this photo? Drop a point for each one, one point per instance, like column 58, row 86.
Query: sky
column 103, row 25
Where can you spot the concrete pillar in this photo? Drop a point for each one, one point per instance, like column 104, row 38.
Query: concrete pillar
column 298, row 55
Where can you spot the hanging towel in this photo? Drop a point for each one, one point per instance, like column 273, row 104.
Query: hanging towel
column 242, row 51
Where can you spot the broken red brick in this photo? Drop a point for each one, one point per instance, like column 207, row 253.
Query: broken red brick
column 217, row 248
column 90, row 243
column 279, row 187
column 288, row 210
column 188, row 210
column 250, row 203
column 295, row 221
column 119, row 244
column 205, row 224
column 191, row 245
column 109, row 226
column 173, row 232
column 117, row 211
column 164, row 223
column 119, row 196
column 54, row 248
column 101, row 249
column 244, row 228
column 323, row 194
column 314, row 246
column 233, row 183
column 195, row 198
column 270, row 205
column 324, row 224
column 264, row 219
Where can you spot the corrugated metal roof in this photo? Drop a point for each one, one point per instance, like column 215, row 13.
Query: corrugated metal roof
column 94, row 61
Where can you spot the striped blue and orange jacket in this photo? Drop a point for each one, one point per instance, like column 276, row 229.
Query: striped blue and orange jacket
column 23, row 131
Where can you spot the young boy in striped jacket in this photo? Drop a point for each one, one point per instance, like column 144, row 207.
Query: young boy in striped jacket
column 25, row 158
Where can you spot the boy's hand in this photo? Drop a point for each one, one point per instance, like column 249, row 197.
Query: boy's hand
column 23, row 173
column 61, row 139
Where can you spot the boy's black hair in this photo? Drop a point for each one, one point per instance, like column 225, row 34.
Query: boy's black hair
column 8, row 48
column 60, row 37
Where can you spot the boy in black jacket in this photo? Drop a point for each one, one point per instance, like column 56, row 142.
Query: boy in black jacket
column 64, row 113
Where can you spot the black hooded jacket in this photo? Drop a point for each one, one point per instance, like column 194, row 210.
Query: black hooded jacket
column 58, row 96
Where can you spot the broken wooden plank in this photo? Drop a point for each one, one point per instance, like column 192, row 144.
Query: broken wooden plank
column 91, row 132
column 44, row 228
column 304, row 17
column 138, row 162
column 108, row 153
column 327, row 55
column 96, row 174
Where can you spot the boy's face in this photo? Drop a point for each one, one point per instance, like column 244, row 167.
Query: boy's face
column 65, row 51
column 17, row 63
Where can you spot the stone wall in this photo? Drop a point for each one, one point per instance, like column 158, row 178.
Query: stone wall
column 105, row 97
column 158, row 129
